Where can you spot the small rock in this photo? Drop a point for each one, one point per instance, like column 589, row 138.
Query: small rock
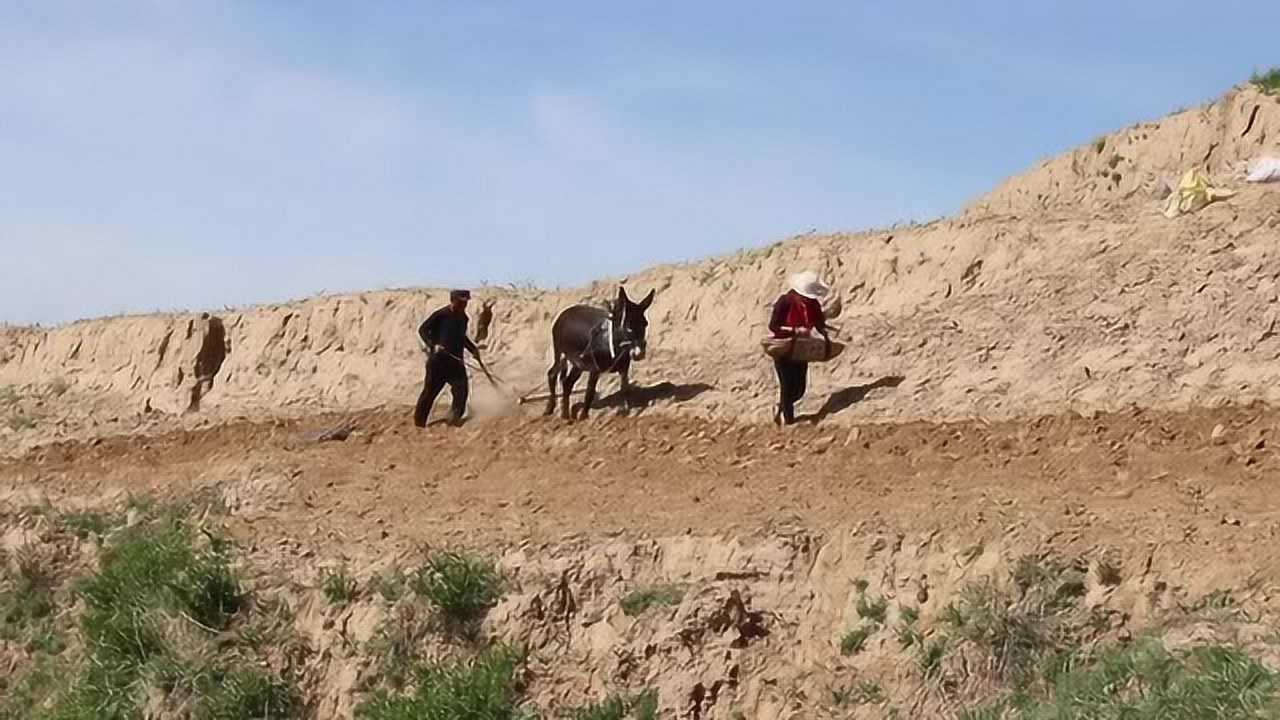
column 1218, row 436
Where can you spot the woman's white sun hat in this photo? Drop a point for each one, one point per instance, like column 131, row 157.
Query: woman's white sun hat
column 807, row 284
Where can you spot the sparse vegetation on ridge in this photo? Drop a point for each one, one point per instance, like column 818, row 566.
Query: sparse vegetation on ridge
column 1267, row 81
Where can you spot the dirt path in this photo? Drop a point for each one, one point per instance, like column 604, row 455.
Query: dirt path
column 1199, row 480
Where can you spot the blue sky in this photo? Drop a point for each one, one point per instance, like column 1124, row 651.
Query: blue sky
column 166, row 154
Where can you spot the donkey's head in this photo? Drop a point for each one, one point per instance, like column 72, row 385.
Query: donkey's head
column 630, row 324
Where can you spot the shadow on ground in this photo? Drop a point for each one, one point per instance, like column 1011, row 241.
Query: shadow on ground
column 842, row 400
column 644, row 395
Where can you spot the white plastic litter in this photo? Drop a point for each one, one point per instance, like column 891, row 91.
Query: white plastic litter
column 1266, row 169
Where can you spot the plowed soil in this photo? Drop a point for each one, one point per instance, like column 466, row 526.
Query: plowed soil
column 1202, row 480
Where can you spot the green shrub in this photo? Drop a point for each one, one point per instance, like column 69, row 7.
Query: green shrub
column 1145, row 681
column 397, row 644
column 908, row 635
column 339, row 588
column 930, row 656
column 245, row 693
column 389, row 585
column 618, row 707
column 854, row 640
column 28, row 598
column 874, row 610
column 102, row 691
column 153, row 572
column 863, row 692
column 89, row 523
column 27, row 690
column 461, row 587
column 639, row 601
column 161, row 566
column 484, row 688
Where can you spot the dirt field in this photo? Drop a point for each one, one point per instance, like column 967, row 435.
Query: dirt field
column 1201, row 477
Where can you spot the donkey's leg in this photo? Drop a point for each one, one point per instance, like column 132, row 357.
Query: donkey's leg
column 557, row 368
column 565, row 367
column 625, row 382
column 567, row 382
column 592, row 379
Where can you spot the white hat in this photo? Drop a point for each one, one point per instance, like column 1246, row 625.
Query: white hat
column 807, row 284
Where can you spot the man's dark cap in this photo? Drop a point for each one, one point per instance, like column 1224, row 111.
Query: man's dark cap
column 459, row 295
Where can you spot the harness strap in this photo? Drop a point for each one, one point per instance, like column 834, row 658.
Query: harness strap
column 623, row 323
column 615, row 348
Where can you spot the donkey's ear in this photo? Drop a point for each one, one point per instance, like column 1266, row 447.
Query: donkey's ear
column 648, row 300
column 622, row 295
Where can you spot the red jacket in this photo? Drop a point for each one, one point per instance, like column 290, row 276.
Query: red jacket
column 794, row 310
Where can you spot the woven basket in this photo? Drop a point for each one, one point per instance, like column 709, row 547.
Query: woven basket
column 801, row 349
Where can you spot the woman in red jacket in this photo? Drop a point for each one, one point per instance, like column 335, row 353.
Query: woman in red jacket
column 796, row 313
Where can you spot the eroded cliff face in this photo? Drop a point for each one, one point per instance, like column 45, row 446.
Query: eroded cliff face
column 1144, row 161
column 863, row 620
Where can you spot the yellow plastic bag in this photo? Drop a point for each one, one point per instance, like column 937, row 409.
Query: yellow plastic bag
column 1193, row 192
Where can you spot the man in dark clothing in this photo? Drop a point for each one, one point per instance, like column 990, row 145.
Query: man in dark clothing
column 445, row 335
column 796, row 313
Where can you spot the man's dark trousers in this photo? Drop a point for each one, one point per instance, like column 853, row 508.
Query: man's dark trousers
column 442, row 369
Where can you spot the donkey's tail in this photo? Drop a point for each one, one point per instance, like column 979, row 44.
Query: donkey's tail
column 551, row 346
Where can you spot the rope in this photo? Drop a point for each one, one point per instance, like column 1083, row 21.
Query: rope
column 494, row 380
column 498, row 383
